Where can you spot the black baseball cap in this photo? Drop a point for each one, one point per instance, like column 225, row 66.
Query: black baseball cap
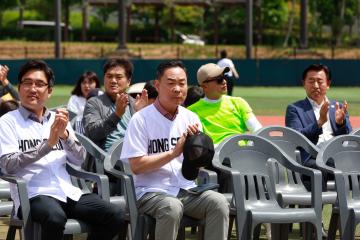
column 198, row 152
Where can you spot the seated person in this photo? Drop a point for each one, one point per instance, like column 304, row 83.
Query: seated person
column 135, row 89
column 221, row 115
column 106, row 116
column 316, row 117
column 7, row 106
column 87, row 82
column 151, row 91
column 153, row 145
column 35, row 144
column 7, row 91
column 194, row 94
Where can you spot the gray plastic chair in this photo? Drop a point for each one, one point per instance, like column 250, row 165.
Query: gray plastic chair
column 142, row 225
column 344, row 151
column 31, row 230
column 356, row 132
column 254, row 198
column 94, row 161
column 6, row 205
column 288, row 185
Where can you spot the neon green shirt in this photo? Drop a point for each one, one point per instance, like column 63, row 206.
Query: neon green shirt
column 223, row 118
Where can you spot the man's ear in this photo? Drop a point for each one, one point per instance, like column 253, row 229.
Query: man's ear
column 50, row 90
column 157, row 84
column 128, row 82
column 328, row 83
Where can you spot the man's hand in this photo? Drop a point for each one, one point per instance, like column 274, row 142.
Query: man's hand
column 191, row 130
column 122, row 100
column 141, row 101
column 4, row 70
column 58, row 128
column 323, row 114
column 340, row 113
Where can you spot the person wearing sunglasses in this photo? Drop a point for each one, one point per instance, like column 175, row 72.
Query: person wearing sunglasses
column 221, row 115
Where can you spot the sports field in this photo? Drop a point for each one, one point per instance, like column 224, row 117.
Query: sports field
column 268, row 103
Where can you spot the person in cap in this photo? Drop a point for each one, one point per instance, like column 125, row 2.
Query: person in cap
column 35, row 144
column 106, row 116
column 232, row 74
column 135, row 89
column 153, row 146
column 221, row 115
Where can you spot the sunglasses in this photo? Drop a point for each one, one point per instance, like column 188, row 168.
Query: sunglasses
column 218, row 79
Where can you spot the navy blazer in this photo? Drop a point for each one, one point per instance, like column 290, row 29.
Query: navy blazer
column 301, row 117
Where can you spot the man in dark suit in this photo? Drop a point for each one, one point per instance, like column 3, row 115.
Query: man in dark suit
column 316, row 117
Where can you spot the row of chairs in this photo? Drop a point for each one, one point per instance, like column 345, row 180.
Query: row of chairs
column 265, row 179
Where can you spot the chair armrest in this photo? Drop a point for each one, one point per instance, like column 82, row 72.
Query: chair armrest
column 102, row 181
column 129, row 196
column 206, row 176
column 24, row 202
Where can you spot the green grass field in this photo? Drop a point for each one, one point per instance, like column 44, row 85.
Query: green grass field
column 265, row 101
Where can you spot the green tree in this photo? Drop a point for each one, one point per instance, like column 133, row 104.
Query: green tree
column 6, row 4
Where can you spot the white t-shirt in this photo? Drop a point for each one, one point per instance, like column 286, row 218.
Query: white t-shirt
column 226, row 62
column 149, row 132
column 76, row 104
column 46, row 176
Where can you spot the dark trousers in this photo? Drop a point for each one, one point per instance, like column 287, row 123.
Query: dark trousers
column 105, row 219
column 311, row 163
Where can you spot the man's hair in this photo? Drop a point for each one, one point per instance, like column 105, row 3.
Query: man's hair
column 194, row 94
column 151, row 90
column 169, row 64
column 223, row 54
column 7, row 106
column 89, row 75
column 317, row 67
column 119, row 62
column 40, row 66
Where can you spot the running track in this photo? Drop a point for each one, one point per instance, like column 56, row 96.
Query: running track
column 280, row 120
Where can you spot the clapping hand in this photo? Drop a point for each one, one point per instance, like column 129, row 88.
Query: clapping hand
column 58, row 128
column 122, row 100
column 141, row 101
column 340, row 113
column 4, row 70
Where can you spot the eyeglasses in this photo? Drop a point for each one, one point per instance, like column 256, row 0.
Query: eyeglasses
column 38, row 84
column 218, row 79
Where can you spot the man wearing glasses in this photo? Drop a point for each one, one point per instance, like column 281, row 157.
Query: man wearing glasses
column 35, row 144
column 221, row 115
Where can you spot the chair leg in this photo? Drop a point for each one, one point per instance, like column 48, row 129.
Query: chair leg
column 231, row 224
column 333, row 225
column 181, row 234
column 11, row 233
column 256, row 232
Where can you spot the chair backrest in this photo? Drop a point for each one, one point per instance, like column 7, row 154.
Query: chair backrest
column 95, row 156
column 113, row 165
column 249, row 154
column 344, row 152
column 291, row 142
column 356, row 132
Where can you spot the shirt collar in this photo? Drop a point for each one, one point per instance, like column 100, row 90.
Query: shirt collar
column 164, row 112
column 212, row 100
column 314, row 104
column 26, row 114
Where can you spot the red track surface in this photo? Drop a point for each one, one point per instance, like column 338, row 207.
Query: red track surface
column 280, row 120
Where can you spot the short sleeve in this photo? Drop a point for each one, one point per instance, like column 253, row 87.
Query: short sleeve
column 136, row 140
